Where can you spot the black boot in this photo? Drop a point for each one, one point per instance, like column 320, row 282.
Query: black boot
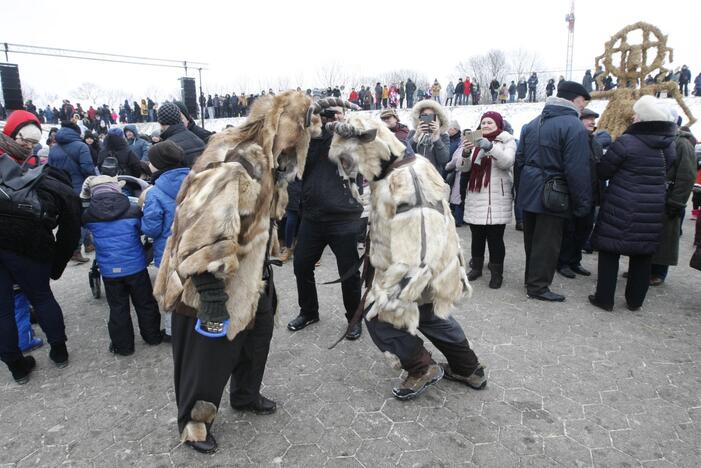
column 497, row 270
column 476, row 265
column 59, row 355
column 21, row 368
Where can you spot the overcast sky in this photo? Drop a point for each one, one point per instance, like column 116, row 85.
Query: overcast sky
column 256, row 44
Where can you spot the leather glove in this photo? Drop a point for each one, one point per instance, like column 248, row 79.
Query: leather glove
column 485, row 144
column 212, row 298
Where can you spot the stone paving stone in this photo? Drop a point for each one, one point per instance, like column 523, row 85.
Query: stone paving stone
column 569, row 385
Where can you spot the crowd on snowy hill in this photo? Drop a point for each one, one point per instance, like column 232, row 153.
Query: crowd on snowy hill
column 378, row 96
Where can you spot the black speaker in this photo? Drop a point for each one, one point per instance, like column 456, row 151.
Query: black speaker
column 11, row 86
column 189, row 95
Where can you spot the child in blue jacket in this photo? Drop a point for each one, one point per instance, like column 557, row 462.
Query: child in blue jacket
column 115, row 226
column 167, row 163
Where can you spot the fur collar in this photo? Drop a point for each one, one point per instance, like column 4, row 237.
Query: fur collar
column 558, row 101
column 437, row 108
column 653, row 127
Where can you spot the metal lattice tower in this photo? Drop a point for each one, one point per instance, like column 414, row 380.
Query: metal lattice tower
column 570, row 41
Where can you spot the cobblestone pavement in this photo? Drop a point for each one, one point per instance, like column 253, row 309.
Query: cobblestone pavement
column 568, row 385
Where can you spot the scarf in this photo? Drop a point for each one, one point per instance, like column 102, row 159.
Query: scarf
column 14, row 149
column 481, row 174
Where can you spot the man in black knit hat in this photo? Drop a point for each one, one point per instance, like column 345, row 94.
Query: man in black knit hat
column 173, row 129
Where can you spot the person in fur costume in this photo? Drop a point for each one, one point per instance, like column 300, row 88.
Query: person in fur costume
column 216, row 267
column 419, row 270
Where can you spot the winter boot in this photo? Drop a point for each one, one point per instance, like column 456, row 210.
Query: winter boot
column 21, row 368
column 414, row 386
column 78, row 257
column 477, row 380
column 59, row 355
column 497, row 270
column 476, row 265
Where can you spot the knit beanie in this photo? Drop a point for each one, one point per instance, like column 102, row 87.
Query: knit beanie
column 496, row 117
column 166, row 155
column 168, row 114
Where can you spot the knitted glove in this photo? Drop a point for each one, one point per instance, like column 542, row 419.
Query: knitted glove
column 485, row 144
column 212, row 298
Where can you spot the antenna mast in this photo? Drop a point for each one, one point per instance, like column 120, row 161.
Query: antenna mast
column 570, row 41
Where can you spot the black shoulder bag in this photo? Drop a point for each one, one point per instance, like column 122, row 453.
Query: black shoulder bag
column 556, row 194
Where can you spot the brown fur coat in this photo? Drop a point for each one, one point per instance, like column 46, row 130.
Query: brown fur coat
column 225, row 206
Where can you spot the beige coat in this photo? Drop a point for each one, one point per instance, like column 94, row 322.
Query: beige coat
column 493, row 204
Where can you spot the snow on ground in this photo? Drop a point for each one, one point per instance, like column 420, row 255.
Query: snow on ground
column 518, row 114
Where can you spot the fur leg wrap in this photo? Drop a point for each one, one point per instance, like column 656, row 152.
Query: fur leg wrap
column 201, row 415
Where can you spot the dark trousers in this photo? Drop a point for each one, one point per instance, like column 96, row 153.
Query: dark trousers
column 574, row 236
column 660, row 271
column 33, row 278
column 542, row 235
column 445, row 334
column 203, row 365
column 118, row 291
column 313, row 237
column 638, row 278
column 531, row 95
column 458, row 212
column 493, row 235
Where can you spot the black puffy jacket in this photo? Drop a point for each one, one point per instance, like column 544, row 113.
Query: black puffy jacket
column 190, row 143
column 35, row 239
column 633, row 207
column 118, row 147
column 326, row 196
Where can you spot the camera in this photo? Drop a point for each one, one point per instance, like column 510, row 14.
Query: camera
column 427, row 118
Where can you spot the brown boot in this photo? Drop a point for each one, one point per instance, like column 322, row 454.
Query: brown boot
column 414, row 386
column 476, row 380
column 285, row 255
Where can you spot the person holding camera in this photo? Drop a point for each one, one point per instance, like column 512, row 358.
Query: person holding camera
column 488, row 203
column 429, row 137
column 554, row 183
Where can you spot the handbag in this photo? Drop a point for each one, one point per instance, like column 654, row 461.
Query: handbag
column 695, row 261
column 556, row 195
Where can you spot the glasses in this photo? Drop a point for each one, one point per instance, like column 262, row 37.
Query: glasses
column 30, row 141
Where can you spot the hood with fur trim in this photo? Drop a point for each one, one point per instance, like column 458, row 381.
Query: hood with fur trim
column 437, row 108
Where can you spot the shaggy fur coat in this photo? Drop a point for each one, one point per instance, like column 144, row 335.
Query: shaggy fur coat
column 225, row 206
column 415, row 248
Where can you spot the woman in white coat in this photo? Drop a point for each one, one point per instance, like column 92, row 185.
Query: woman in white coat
column 489, row 200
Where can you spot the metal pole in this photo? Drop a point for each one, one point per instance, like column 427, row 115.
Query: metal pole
column 7, row 57
column 185, row 65
column 198, row 99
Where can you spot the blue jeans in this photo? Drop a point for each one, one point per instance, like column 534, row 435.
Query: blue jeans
column 33, row 278
column 291, row 227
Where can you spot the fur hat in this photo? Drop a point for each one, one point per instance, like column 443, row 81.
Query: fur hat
column 168, row 114
column 166, row 155
column 454, row 124
column 570, row 90
column 649, row 108
column 435, row 107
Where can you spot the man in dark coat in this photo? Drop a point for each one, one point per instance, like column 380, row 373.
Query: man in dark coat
column 684, row 80
column 173, row 129
column 190, row 124
column 117, row 146
column 680, row 181
column 31, row 253
column 554, row 145
column 631, row 216
column 459, row 92
column 532, row 86
column 330, row 216
column 587, row 81
column 410, row 92
column 577, row 229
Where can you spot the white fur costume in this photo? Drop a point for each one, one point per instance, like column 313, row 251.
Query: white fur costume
column 415, row 248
